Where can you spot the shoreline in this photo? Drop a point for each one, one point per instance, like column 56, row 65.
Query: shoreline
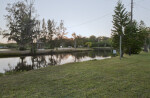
column 16, row 53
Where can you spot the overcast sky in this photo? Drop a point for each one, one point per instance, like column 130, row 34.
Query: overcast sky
column 85, row 17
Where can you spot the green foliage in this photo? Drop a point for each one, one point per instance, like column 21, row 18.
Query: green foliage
column 21, row 23
column 92, row 38
column 22, row 48
column 88, row 44
column 33, row 49
column 134, row 38
column 120, row 20
column 51, row 32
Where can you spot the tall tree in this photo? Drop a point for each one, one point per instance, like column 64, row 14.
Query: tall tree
column 144, row 30
column 51, row 32
column 61, row 32
column 75, row 39
column 43, row 31
column 21, row 23
column 120, row 21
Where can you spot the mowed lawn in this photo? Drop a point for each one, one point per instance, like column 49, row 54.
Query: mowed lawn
column 129, row 77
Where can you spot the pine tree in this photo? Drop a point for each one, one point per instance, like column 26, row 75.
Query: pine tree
column 51, row 32
column 120, row 21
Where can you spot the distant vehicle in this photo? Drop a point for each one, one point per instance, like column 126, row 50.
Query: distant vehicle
column 80, row 46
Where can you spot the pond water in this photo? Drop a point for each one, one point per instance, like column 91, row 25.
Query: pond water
column 26, row 63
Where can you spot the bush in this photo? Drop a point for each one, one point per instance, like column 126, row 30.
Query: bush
column 22, row 48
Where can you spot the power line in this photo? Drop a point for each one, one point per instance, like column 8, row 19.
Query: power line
column 143, row 7
column 140, row 1
column 95, row 19
column 92, row 20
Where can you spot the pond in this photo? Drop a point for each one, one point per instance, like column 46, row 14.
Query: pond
column 26, row 63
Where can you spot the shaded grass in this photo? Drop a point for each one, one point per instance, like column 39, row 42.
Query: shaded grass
column 129, row 77
column 1, row 74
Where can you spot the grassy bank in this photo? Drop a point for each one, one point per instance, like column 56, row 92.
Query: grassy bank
column 129, row 77
column 15, row 53
column 102, row 48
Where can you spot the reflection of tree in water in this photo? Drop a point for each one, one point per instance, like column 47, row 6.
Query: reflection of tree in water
column 52, row 60
column 79, row 55
column 92, row 54
column 103, row 53
column 40, row 61
column 61, row 56
column 55, row 59
column 37, row 62
column 21, row 66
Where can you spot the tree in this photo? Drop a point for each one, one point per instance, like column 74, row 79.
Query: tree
column 51, row 32
column 89, row 44
column 120, row 21
column 75, row 39
column 92, row 38
column 61, row 32
column 134, row 38
column 145, row 31
column 80, row 41
column 148, row 37
column 21, row 23
column 43, row 32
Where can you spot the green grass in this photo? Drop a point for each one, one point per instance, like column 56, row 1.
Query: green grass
column 126, row 78
column 1, row 74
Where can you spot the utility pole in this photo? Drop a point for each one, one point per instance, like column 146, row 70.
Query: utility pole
column 131, row 10
column 121, row 53
column 98, row 42
column 131, row 23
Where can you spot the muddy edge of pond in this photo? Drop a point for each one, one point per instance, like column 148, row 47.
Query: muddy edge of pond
column 16, row 53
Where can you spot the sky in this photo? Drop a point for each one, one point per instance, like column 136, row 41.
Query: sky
column 84, row 17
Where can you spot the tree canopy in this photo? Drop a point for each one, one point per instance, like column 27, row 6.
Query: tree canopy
column 21, row 23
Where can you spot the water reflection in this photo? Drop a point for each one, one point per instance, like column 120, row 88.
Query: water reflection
column 36, row 62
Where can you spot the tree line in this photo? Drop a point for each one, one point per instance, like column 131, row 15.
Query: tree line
column 27, row 31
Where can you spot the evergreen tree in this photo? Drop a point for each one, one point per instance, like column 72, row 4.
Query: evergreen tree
column 134, row 38
column 120, row 21
column 145, row 31
column 51, row 32
column 43, row 32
